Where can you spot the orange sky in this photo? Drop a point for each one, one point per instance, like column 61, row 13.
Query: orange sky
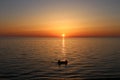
column 75, row 18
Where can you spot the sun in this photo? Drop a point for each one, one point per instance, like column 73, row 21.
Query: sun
column 63, row 35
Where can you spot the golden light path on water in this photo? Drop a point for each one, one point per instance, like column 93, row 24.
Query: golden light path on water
column 62, row 55
column 63, row 47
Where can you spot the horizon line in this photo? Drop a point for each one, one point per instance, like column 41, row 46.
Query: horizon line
column 61, row 37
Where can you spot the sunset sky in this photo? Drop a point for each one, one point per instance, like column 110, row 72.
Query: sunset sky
column 55, row 17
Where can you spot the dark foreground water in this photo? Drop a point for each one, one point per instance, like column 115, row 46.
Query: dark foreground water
column 35, row 58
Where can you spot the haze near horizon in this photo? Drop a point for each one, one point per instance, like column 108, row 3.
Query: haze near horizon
column 49, row 18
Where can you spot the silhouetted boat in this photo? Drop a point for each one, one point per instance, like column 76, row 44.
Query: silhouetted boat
column 65, row 62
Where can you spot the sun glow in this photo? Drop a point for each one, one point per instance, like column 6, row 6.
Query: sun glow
column 63, row 35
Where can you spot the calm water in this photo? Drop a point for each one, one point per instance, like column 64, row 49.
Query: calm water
column 35, row 58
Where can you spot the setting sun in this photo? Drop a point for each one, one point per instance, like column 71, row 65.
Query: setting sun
column 63, row 35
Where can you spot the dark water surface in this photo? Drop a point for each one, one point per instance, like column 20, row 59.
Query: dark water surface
column 35, row 58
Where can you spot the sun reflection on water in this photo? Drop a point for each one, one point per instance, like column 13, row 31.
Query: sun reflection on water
column 63, row 47
column 62, row 55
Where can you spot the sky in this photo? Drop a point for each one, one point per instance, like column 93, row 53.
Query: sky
column 74, row 18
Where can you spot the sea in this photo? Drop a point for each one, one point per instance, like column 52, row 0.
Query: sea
column 37, row 58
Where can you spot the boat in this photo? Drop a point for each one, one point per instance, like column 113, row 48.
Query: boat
column 64, row 62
